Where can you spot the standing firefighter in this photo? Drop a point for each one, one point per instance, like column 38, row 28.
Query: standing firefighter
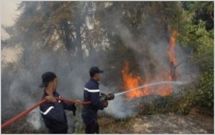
column 52, row 111
column 92, row 94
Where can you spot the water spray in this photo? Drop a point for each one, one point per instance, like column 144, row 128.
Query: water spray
column 150, row 85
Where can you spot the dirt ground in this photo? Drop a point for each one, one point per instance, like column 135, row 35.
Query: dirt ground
column 160, row 123
column 194, row 122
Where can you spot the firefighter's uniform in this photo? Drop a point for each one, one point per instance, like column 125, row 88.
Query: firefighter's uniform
column 89, row 112
column 54, row 115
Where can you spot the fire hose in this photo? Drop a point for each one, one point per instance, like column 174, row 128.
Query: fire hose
column 22, row 114
column 68, row 101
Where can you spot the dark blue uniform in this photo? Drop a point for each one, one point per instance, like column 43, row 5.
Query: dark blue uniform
column 89, row 112
column 54, row 115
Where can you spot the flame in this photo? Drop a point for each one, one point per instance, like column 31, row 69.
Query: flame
column 131, row 81
column 172, row 55
column 171, row 48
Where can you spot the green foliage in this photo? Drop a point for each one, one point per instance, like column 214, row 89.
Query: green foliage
column 205, row 90
column 197, row 34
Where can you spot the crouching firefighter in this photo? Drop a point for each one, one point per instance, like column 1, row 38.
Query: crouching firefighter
column 52, row 111
column 98, row 101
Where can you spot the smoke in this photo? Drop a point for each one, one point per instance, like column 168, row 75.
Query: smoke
column 35, row 119
column 23, row 65
column 150, row 49
column 120, row 108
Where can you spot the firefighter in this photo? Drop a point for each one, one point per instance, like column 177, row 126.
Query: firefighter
column 52, row 112
column 92, row 94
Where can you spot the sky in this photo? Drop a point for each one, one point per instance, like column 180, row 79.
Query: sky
column 9, row 14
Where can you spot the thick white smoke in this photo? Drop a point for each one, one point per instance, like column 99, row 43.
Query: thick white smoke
column 119, row 108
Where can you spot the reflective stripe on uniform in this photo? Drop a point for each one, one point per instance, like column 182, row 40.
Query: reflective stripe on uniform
column 47, row 111
column 92, row 90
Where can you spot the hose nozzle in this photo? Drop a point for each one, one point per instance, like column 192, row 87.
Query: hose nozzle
column 110, row 96
column 106, row 97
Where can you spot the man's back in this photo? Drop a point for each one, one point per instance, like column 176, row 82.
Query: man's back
column 54, row 116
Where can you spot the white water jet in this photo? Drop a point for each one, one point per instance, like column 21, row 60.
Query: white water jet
column 151, row 85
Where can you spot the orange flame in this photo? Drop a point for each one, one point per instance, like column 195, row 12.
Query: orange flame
column 131, row 81
column 171, row 48
column 172, row 55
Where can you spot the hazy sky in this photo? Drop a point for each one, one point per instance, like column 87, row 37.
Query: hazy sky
column 8, row 14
